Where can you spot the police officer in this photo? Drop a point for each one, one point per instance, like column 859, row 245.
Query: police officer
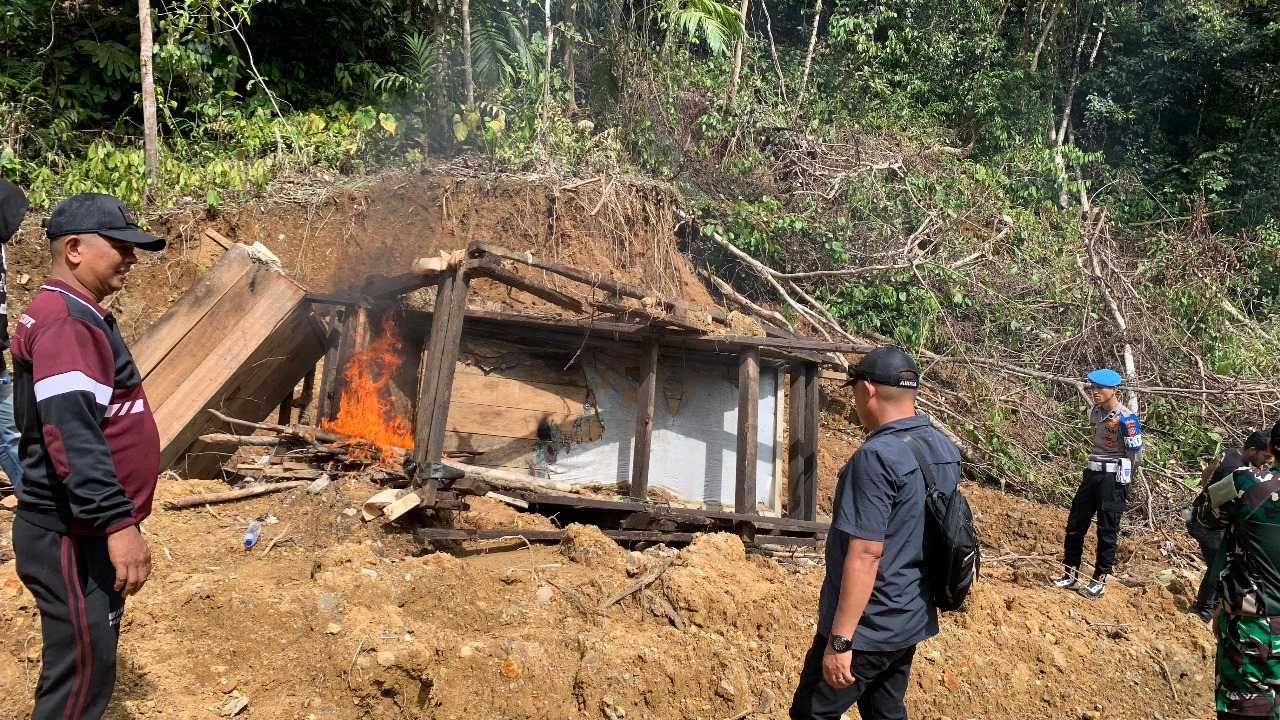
column 1114, row 453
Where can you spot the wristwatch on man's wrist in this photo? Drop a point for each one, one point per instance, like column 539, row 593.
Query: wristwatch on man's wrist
column 840, row 643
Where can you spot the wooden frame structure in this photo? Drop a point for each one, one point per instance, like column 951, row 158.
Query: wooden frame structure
column 620, row 314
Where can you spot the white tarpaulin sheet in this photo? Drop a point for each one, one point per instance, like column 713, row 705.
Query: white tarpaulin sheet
column 695, row 426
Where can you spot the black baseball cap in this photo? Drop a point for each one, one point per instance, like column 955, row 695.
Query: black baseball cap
column 101, row 214
column 1257, row 440
column 13, row 207
column 886, row 366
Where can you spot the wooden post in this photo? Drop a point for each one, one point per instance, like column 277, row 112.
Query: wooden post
column 325, row 402
column 308, row 394
column 809, row 502
column 435, row 380
column 748, row 424
column 797, row 426
column 644, row 419
column 286, row 410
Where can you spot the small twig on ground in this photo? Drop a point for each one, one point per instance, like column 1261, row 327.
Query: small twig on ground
column 666, row 608
column 573, row 596
column 1167, row 675
column 249, row 492
column 354, row 658
column 642, row 584
column 1011, row 558
column 283, row 531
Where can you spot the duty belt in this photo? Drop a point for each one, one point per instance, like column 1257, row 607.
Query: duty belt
column 1103, row 466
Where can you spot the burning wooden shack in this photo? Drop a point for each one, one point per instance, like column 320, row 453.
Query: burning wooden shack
column 647, row 415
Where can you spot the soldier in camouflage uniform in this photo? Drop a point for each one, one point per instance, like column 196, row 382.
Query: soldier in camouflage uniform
column 1104, row 490
column 1247, row 570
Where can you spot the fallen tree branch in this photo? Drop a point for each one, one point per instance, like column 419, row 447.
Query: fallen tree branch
column 642, row 584
column 242, row 494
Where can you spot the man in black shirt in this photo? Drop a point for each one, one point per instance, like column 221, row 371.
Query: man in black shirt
column 1254, row 453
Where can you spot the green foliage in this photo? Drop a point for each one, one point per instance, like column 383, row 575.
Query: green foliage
column 716, row 23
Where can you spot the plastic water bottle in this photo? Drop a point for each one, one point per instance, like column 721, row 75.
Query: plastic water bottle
column 251, row 535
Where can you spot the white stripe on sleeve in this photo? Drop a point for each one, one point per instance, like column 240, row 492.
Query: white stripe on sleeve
column 73, row 381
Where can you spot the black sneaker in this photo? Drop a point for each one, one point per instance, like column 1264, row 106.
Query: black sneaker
column 1070, row 579
column 1096, row 588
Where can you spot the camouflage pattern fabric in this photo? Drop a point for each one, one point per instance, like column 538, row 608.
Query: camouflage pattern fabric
column 1248, row 665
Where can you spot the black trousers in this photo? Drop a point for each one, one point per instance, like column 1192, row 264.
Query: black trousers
column 879, row 691
column 1210, row 541
column 73, row 581
column 1099, row 494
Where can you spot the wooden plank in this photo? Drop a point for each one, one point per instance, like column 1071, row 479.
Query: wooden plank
column 748, row 426
column 507, row 393
column 682, row 515
column 225, row 359
column 329, row 371
column 797, row 426
column 437, row 534
column 165, row 333
column 779, row 440
column 252, row 391
column 810, row 478
column 251, row 369
column 532, row 365
column 439, row 362
column 189, row 352
column 643, row 444
column 472, row 418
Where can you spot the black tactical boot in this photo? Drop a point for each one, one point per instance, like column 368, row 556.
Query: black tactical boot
column 1096, row 587
column 1070, row 579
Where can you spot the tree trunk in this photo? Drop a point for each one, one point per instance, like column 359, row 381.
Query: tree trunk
column 570, row 17
column 737, row 52
column 773, row 50
column 546, row 73
column 468, row 77
column 808, row 59
column 150, row 133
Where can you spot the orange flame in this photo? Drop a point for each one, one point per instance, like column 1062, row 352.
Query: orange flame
column 367, row 410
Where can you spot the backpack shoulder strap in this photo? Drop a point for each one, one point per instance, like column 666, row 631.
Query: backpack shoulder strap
column 914, row 446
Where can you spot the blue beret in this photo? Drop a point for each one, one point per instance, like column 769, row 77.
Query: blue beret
column 1105, row 378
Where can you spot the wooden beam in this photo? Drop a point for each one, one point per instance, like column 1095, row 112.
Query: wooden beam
column 491, row 268
column 617, row 288
column 286, row 410
column 437, row 369
column 797, row 426
column 643, row 444
column 429, row 534
column 333, row 336
column 748, row 426
column 335, row 363
column 809, row 480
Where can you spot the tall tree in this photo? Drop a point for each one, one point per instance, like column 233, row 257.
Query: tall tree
column 466, row 53
column 737, row 53
column 570, row 17
column 150, row 132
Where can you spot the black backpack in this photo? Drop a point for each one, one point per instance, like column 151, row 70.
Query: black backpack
column 950, row 541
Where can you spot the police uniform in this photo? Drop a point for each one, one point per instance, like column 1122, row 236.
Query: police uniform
column 1114, row 452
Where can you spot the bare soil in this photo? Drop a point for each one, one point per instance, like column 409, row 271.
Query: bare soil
column 345, row 620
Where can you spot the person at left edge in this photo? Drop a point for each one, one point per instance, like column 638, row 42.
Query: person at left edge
column 13, row 208
column 90, row 452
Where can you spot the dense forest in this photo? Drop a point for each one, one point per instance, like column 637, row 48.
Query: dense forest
column 1039, row 186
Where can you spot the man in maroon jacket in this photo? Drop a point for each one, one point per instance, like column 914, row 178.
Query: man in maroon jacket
column 90, row 455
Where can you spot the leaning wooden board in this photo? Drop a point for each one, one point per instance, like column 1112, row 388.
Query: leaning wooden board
column 239, row 340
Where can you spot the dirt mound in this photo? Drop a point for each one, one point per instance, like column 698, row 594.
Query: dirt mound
column 341, row 620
